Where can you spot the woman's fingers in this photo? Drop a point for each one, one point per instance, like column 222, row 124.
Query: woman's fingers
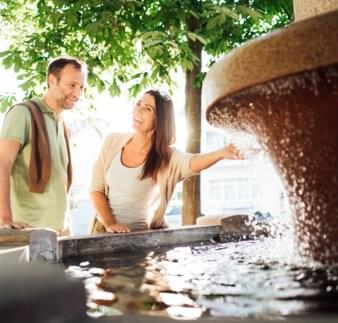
column 117, row 228
column 234, row 152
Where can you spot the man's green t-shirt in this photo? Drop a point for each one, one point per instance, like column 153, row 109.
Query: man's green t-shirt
column 45, row 209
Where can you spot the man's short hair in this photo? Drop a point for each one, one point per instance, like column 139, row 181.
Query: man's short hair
column 57, row 65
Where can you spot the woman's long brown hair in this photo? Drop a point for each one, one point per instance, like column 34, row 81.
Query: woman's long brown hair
column 160, row 152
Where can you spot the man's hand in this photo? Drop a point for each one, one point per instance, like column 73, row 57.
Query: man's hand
column 13, row 225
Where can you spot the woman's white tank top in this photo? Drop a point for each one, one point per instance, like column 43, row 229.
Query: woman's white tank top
column 132, row 201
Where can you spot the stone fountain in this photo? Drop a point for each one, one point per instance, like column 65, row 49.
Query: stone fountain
column 283, row 89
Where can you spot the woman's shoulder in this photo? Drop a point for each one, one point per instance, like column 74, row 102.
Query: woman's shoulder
column 116, row 137
column 113, row 143
column 176, row 153
column 179, row 165
column 179, row 157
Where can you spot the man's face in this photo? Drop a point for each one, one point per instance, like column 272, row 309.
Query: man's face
column 67, row 87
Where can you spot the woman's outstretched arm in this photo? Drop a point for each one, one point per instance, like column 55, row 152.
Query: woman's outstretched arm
column 204, row 161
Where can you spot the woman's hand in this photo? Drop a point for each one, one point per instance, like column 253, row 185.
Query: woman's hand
column 230, row 151
column 117, row 228
column 203, row 161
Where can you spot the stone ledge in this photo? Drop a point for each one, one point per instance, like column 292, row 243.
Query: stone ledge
column 133, row 241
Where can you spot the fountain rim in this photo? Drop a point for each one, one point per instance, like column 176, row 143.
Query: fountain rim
column 247, row 66
column 235, row 93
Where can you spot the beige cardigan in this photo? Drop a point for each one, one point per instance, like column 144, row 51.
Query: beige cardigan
column 177, row 170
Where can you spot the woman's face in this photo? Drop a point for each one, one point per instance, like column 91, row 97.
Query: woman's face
column 144, row 114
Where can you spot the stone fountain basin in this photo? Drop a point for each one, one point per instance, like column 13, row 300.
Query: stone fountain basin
column 42, row 244
column 299, row 47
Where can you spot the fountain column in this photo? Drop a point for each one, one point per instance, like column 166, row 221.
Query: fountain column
column 283, row 88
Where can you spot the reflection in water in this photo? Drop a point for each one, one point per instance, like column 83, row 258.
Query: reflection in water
column 246, row 279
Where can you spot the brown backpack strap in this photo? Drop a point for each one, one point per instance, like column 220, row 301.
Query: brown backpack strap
column 40, row 159
column 69, row 167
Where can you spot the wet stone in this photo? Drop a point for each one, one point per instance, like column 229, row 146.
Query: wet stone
column 241, row 227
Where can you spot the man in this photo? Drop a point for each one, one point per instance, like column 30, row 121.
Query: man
column 35, row 165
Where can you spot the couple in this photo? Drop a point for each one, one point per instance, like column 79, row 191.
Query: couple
column 133, row 178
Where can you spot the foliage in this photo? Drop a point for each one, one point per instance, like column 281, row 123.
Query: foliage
column 133, row 43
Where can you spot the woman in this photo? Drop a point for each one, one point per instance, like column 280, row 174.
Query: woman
column 136, row 173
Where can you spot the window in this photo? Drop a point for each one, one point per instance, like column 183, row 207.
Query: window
column 215, row 190
column 234, row 189
column 215, row 140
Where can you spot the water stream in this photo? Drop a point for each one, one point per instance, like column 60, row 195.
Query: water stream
column 294, row 119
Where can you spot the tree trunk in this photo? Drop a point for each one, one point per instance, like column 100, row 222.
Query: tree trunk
column 191, row 186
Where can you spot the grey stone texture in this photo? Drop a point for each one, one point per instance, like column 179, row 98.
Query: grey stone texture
column 40, row 293
column 134, row 241
column 28, row 245
column 43, row 246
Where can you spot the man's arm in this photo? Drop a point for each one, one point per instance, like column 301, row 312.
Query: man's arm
column 8, row 152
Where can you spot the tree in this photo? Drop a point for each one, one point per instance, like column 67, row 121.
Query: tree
column 136, row 43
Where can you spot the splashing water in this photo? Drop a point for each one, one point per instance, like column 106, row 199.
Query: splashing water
column 294, row 118
column 245, row 142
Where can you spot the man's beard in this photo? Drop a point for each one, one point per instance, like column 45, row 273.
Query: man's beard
column 68, row 106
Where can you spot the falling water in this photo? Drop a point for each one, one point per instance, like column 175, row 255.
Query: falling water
column 294, row 118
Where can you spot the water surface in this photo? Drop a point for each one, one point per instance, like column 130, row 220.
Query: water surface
column 259, row 279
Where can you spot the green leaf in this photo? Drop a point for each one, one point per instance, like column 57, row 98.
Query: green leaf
column 92, row 28
column 5, row 53
column 192, row 36
column 136, row 76
column 151, row 43
column 194, row 14
column 107, row 16
column 28, row 84
column 228, row 12
column 212, row 23
column 71, row 18
column 114, row 89
column 6, row 101
column 254, row 14
column 101, row 85
column 201, row 39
